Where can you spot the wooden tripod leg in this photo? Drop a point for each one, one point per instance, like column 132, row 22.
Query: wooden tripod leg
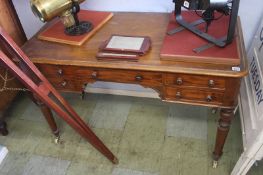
column 226, row 116
column 32, row 78
column 82, row 129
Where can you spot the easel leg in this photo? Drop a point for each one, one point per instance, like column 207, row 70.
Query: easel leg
column 226, row 116
column 43, row 91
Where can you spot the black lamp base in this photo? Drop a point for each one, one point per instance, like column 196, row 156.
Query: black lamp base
column 82, row 28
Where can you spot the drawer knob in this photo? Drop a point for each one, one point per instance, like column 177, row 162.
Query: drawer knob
column 178, row 95
column 209, row 98
column 138, row 78
column 211, row 83
column 94, row 75
column 60, row 72
column 64, row 83
column 179, row 81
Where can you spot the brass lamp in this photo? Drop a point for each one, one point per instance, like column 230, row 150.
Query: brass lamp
column 67, row 10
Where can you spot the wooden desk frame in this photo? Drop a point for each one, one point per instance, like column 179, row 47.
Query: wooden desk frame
column 68, row 68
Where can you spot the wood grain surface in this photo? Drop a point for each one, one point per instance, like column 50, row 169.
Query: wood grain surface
column 122, row 24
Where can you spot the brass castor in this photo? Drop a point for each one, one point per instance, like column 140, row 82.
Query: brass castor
column 57, row 140
column 116, row 161
column 214, row 110
column 215, row 163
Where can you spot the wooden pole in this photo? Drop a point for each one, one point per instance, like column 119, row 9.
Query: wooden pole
column 10, row 22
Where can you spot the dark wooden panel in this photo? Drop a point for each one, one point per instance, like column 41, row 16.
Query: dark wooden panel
column 10, row 22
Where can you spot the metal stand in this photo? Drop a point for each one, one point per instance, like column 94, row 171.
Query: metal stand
column 33, row 79
column 211, row 39
column 80, row 27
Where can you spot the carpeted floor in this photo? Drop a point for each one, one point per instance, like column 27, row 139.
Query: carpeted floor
column 150, row 137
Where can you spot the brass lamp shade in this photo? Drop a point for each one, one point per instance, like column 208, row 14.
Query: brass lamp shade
column 46, row 10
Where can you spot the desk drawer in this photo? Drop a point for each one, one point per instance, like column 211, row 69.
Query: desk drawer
column 58, row 72
column 194, row 95
column 195, row 81
column 77, row 76
column 62, row 77
column 121, row 76
column 66, row 84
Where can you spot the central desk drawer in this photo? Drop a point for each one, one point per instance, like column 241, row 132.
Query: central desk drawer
column 194, row 95
column 194, row 81
column 81, row 75
column 121, row 76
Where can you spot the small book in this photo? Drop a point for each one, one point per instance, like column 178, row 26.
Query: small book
column 116, row 56
column 139, row 45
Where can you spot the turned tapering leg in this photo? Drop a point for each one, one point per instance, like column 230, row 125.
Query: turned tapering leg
column 224, row 123
column 49, row 118
column 47, row 114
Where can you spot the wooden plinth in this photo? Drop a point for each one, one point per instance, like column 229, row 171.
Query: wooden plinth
column 55, row 32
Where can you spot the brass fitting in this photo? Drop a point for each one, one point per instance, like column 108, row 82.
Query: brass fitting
column 46, row 10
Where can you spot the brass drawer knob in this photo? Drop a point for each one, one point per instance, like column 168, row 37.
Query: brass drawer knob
column 209, row 98
column 64, row 83
column 178, row 95
column 211, row 83
column 94, row 75
column 138, row 78
column 179, row 81
column 60, row 72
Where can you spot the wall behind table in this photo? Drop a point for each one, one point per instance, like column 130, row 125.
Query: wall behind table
column 250, row 12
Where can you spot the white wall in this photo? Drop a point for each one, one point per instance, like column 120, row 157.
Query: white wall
column 126, row 5
column 29, row 22
column 250, row 13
